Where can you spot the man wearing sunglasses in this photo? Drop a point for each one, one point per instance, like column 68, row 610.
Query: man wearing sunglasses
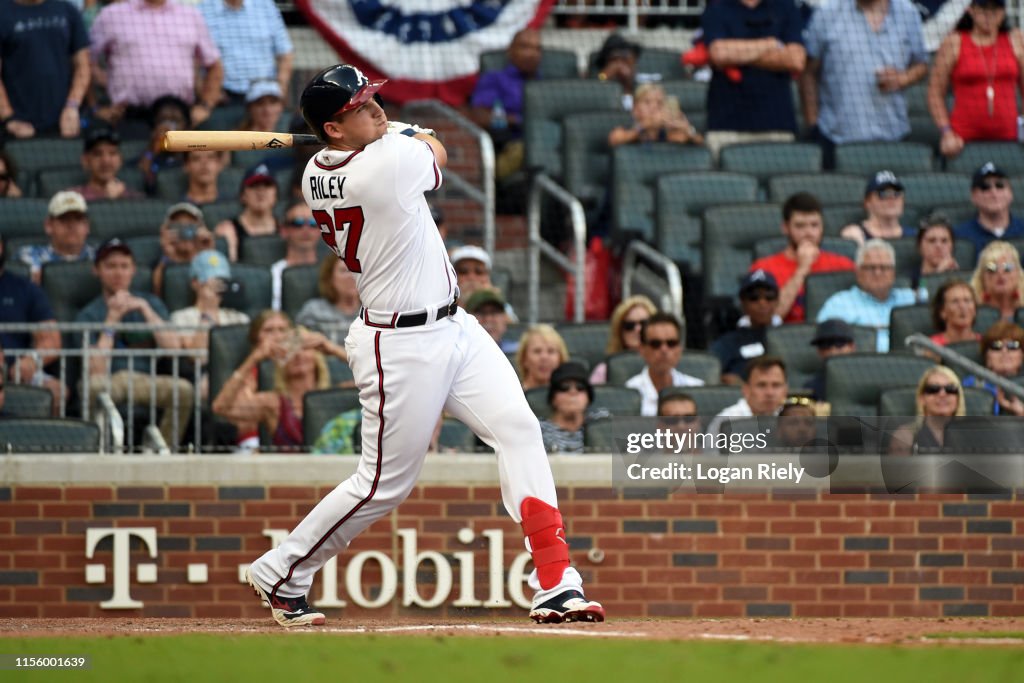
column 301, row 235
column 661, row 348
column 759, row 296
column 992, row 195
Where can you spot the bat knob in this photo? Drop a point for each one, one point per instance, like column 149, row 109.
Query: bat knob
column 163, row 144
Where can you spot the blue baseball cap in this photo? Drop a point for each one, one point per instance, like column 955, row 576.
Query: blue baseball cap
column 210, row 264
column 882, row 180
column 758, row 279
column 984, row 171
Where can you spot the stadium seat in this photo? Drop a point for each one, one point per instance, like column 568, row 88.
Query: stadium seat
column 586, row 341
column 262, row 250
column 229, row 345
column 907, row 320
column 22, row 400
column 125, row 218
column 71, row 285
column 924, row 131
column 608, row 436
column 619, row 401
column 225, row 117
column 36, row 154
column 765, row 160
column 223, row 210
column 818, row 287
column 712, row 400
column 298, row 285
column 321, row 406
column 145, row 248
column 1008, row 156
column 772, row 245
column 902, row 401
column 959, row 212
column 699, row 364
column 554, row 63
column 456, row 436
column 691, row 95
column 854, row 382
column 666, row 63
column 867, row 158
column 256, row 287
column 792, row 343
column 586, row 156
column 23, row 217
column 171, row 183
column 251, row 158
column 681, row 199
column 49, row 435
column 932, row 282
column 547, row 102
column 929, row 190
column 52, row 181
column 830, row 188
column 968, row 349
column 635, row 170
column 729, row 235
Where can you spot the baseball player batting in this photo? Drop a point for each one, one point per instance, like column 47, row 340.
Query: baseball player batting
column 413, row 353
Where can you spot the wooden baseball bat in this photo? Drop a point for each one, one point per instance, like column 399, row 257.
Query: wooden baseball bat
column 232, row 140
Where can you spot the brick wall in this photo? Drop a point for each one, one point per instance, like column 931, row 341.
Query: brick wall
column 702, row 555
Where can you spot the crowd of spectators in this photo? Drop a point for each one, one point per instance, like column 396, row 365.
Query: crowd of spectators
column 139, row 68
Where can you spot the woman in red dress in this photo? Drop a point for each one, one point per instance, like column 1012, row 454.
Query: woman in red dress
column 981, row 61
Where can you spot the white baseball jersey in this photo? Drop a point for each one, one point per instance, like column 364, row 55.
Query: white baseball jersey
column 372, row 212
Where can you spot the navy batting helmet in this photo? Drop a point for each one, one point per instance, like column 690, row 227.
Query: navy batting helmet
column 334, row 91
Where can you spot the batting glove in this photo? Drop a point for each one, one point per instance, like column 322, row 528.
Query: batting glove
column 409, row 129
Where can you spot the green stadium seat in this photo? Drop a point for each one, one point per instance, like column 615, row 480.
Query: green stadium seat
column 635, row 170
column 729, row 235
column 691, row 95
column 71, row 285
column 171, row 183
column 792, row 343
column 229, row 345
column 22, row 400
column 225, row 117
column 146, row 248
column 323, row 405
column 923, row 130
column 23, row 217
column 766, row 160
column 586, row 156
column 902, row 401
column 818, row 287
column 48, row 435
column 554, row 63
column 619, row 401
column 855, row 382
column 250, row 158
column 546, row 103
column 699, row 364
column 298, row 285
column 1008, row 156
column 456, row 436
column 933, row 189
column 680, row 200
column 125, row 218
column 968, row 349
column 958, row 213
column 585, row 341
column 36, row 154
column 867, row 158
column 666, row 63
column 262, row 250
column 932, row 282
column 830, row 188
column 608, row 436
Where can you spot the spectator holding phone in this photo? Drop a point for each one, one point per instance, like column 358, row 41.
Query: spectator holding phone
column 182, row 235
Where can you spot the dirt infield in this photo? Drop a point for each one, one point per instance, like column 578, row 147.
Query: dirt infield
column 906, row 631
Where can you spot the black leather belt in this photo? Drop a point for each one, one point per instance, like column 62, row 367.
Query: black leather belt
column 416, row 319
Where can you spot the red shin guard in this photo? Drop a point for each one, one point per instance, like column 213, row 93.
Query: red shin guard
column 542, row 525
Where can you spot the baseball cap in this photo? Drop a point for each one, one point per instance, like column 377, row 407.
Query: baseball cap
column 758, row 278
column 111, row 246
column 258, row 89
column 98, row 134
column 210, row 264
column 882, row 180
column 483, row 297
column 832, row 329
column 470, row 251
column 185, row 207
column 982, row 3
column 984, row 171
column 258, row 174
column 67, row 201
column 570, row 370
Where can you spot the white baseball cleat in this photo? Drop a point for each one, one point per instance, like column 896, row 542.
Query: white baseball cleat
column 570, row 605
column 287, row 611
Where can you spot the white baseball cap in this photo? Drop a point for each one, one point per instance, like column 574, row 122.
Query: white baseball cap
column 470, row 251
column 258, row 89
column 67, row 201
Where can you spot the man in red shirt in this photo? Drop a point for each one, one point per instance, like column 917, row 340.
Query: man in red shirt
column 802, row 224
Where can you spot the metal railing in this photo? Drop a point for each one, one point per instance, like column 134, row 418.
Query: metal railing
column 920, row 342
column 73, row 371
column 642, row 254
column 484, row 194
column 543, row 185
